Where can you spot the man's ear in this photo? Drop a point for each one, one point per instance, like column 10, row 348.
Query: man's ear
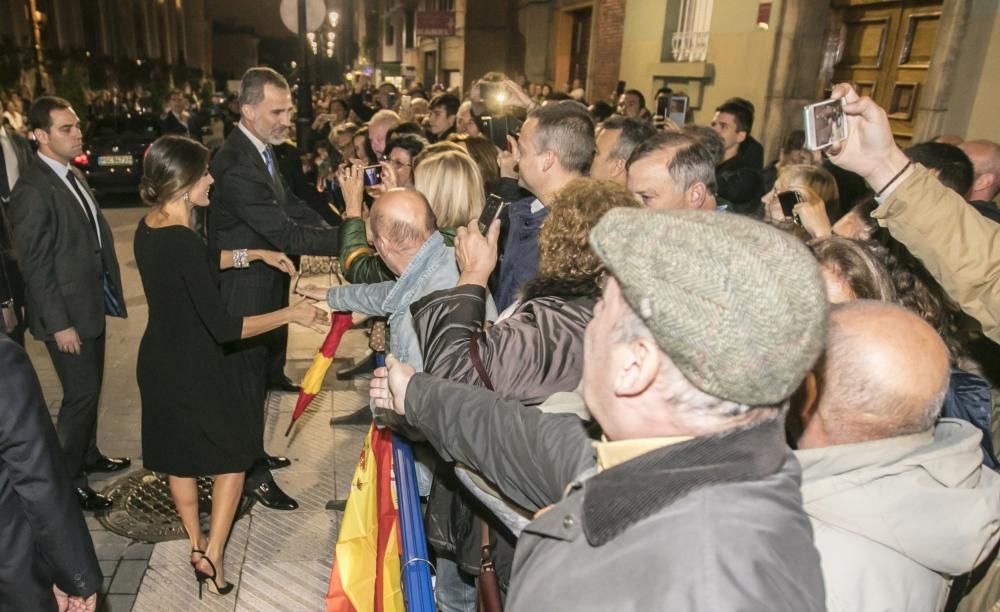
column 619, row 168
column 641, row 365
column 247, row 110
column 987, row 181
column 41, row 136
column 741, row 136
column 696, row 195
column 548, row 160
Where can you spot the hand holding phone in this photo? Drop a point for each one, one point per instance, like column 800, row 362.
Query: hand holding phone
column 373, row 175
column 825, row 124
column 788, row 201
column 491, row 212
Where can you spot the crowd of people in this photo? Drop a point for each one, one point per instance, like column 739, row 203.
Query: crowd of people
column 663, row 376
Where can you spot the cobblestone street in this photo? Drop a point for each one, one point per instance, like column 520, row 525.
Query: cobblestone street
column 277, row 560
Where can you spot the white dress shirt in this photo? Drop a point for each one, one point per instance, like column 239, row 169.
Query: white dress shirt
column 61, row 171
column 10, row 157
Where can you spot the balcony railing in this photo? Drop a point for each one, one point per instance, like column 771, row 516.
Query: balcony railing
column 690, row 42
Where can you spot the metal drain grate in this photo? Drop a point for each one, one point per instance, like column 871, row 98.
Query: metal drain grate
column 144, row 510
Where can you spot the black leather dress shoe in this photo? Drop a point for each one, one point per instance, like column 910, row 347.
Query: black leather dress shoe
column 365, row 365
column 108, row 464
column 91, row 500
column 269, row 494
column 286, row 386
column 275, row 462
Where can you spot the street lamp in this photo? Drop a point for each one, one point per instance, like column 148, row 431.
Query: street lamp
column 334, row 17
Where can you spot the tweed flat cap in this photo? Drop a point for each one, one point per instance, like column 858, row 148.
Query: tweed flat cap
column 738, row 306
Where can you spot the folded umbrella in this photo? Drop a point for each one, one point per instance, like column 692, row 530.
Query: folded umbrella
column 313, row 380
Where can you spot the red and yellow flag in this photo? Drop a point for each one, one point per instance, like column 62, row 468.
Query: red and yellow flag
column 312, row 382
column 366, row 571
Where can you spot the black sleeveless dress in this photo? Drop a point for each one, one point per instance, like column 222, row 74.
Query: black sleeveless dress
column 192, row 425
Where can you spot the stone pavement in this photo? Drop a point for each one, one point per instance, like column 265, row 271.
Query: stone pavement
column 277, row 560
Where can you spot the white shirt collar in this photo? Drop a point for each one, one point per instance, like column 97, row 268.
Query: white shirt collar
column 58, row 167
column 257, row 142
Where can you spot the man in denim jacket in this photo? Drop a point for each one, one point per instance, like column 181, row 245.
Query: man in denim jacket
column 404, row 233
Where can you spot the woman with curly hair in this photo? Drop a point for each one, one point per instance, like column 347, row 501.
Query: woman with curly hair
column 534, row 351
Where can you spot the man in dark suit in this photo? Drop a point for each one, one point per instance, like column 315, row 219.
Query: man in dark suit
column 67, row 256
column 176, row 119
column 250, row 204
column 43, row 537
column 14, row 155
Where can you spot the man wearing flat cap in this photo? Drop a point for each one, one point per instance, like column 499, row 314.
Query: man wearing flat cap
column 690, row 500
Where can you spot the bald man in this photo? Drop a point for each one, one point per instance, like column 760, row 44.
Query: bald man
column 898, row 503
column 404, row 233
column 985, row 156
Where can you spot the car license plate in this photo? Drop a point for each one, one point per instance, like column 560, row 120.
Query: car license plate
column 114, row 160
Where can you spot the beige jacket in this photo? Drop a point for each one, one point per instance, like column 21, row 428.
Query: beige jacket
column 957, row 245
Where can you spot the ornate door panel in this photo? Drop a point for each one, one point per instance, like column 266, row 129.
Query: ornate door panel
column 887, row 50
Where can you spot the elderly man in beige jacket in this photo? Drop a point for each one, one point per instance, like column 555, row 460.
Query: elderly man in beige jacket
column 899, row 505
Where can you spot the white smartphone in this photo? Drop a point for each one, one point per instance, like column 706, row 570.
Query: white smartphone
column 825, row 124
column 678, row 109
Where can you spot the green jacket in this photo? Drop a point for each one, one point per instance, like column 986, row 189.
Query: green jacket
column 359, row 261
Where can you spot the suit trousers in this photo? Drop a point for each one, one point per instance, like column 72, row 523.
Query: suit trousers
column 81, row 377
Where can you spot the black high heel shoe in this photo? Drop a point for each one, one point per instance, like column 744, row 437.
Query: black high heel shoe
column 195, row 551
column 202, row 577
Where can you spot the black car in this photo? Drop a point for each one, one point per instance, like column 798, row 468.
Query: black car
column 113, row 148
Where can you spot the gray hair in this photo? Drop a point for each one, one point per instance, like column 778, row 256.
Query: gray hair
column 253, row 82
column 633, row 133
column 693, row 162
column 567, row 130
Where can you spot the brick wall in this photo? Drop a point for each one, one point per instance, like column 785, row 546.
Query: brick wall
column 608, row 27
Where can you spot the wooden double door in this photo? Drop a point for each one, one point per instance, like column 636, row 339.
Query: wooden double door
column 886, row 51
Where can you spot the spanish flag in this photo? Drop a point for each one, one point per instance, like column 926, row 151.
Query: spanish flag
column 340, row 322
column 366, row 565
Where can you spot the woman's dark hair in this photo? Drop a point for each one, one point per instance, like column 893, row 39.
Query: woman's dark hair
column 483, row 152
column 859, row 264
column 343, row 104
column 411, row 143
column 172, row 164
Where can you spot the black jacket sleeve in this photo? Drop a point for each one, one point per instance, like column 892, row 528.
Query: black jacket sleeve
column 253, row 203
column 32, row 460
column 529, row 455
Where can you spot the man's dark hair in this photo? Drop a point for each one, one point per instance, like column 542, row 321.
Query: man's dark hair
column 174, row 92
column 253, row 82
column 633, row 133
column 692, row 163
column 406, row 127
column 741, row 110
column 601, row 110
column 558, row 96
column 955, row 170
column 638, row 94
column 448, row 101
column 794, row 141
column 412, row 143
column 40, row 114
column 665, row 91
column 567, row 130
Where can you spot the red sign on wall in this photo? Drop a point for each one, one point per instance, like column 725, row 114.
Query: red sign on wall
column 435, row 23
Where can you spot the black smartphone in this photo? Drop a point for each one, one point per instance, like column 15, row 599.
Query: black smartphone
column 662, row 106
column 788, row 200
column 373, row 175
column 498, row 127
column 620, row 89
column 494, row 205
column 391, row 99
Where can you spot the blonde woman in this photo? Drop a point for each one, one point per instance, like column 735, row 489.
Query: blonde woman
column 818, row 199
column 447, row 177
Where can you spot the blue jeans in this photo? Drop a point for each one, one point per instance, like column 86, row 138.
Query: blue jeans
column 454, row 590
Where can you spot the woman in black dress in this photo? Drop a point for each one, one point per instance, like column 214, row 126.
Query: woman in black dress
column 191, row 423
